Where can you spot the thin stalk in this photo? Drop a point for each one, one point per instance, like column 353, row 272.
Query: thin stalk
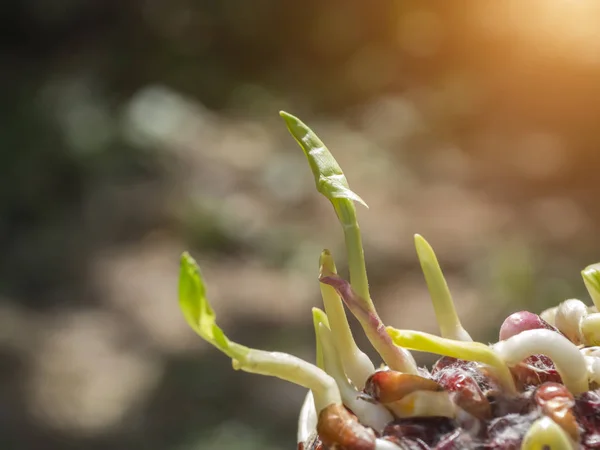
column 470, row 351
column 395, row 357
column 346, row 213
column 357, row 364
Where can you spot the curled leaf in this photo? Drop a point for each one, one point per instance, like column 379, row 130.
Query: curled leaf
column 202, row 319
column 198, row 312
column 329, row 178
column 332, row 183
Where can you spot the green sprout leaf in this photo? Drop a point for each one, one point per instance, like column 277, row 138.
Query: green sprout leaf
column 445, row 312
column 332, row 183
column 329, row 178
column 591, row 278
column 202, row 319
column 198, row 312
column 545, row 434
column 470, row 351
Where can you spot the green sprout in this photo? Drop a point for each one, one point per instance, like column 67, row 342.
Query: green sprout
column 345, row 406
column 445, row 312
column 202, row 319
column 332, row 183
column 545, row 434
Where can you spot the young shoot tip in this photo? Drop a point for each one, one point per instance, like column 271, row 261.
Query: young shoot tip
column 443, row 305
column 202, row 319
column 198, row 312
column 329, row 178
column 326, row 264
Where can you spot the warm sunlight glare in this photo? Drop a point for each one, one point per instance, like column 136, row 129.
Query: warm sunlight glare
column 557, row 28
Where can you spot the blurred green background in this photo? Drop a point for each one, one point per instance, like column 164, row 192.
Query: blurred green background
column 133, row 130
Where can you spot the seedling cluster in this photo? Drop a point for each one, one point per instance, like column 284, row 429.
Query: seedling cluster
column 536, row 388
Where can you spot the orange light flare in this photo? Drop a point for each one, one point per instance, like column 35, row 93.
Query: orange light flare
column 568, row 29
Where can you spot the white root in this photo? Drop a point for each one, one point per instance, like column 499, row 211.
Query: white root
column 567, row 358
